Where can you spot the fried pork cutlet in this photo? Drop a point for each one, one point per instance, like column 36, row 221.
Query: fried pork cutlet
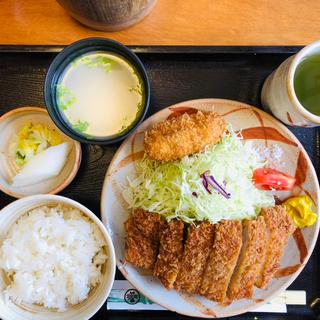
column 196, row 253
column 149, row 224
column 170, row 253
column 279, row 228
column 143, row 237
column 140, row 251
column 222, row 260
column 183, row 135
column 250, row 260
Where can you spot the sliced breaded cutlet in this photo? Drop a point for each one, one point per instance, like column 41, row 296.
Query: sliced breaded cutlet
column 222, row 260
column 142, row 238
column 170, row 253
column 279, row 228
column 140, row 251
column 250, row 260
column 148, row 223
column 183, row 135
column 195, row 256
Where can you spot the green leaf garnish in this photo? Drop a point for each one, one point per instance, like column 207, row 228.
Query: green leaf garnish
column 106, row 63
column 80, row 126
column 65, row 97
column 138, row 89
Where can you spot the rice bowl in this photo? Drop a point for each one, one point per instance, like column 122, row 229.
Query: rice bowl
column 91, row 285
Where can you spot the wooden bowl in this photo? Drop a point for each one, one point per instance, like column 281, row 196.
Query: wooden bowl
column 9, row 125
column 108, row 15
column 97, row 296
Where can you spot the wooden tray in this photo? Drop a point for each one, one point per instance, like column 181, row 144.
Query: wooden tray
column 176, row 74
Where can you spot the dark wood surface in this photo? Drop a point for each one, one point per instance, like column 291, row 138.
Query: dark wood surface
column 176, row 74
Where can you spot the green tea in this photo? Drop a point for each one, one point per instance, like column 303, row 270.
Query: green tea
column 307, row 84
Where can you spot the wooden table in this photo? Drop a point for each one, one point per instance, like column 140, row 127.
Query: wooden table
column 172, row 22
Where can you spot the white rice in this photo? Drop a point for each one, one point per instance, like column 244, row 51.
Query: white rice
column 54, row 256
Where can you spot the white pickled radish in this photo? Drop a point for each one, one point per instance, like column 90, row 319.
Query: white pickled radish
column 45, row 165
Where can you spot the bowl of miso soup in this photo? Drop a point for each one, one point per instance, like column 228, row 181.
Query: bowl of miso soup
column 97, row 91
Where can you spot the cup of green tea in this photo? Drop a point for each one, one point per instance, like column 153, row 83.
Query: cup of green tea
column 292, row 92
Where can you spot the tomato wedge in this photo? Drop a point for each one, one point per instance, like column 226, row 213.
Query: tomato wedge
column 271, row 179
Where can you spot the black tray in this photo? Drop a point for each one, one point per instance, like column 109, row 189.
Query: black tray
column 176, row 74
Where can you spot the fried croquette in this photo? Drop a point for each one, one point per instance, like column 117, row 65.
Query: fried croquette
column 183, row 135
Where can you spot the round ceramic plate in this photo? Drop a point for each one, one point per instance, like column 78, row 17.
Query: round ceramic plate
column 10, row 123
column 264, row 131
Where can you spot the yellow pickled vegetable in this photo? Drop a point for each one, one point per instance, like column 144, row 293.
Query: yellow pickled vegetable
column 300, row 210
column 32, row 139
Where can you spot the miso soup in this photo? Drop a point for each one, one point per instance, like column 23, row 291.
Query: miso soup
column 100, row 94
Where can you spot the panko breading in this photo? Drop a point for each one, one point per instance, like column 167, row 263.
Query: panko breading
column 196, row 253
column 250, row 260
column 279, row 227
column 140, row 251
column 183, row 135
column 170, row 253
column 222, row 260
column 148, row 223
column 143, row 238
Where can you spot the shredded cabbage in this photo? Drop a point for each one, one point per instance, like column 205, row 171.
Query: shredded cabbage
column 175, row 189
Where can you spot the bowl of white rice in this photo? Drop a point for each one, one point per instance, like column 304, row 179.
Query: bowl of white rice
column 56, row 260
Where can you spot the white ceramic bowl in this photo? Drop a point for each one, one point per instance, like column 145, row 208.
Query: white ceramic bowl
column 84, row 310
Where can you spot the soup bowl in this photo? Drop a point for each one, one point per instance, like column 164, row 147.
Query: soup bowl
column 67, row 58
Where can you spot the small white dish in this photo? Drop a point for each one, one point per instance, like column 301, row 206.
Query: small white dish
column 10, row 123
column 97, row 296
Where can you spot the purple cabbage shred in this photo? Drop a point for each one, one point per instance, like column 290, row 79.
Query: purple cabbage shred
column 208, row 179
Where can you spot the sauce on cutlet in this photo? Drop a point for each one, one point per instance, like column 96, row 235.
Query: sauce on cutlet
column 195, row 256
column 170, row 253
column 222, row 260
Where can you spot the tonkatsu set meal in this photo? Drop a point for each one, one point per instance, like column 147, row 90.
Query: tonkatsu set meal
column 209, row 207
column 205, row 216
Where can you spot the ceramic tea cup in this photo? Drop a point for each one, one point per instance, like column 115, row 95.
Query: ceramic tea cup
column 108, row 15
column 278, row 93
